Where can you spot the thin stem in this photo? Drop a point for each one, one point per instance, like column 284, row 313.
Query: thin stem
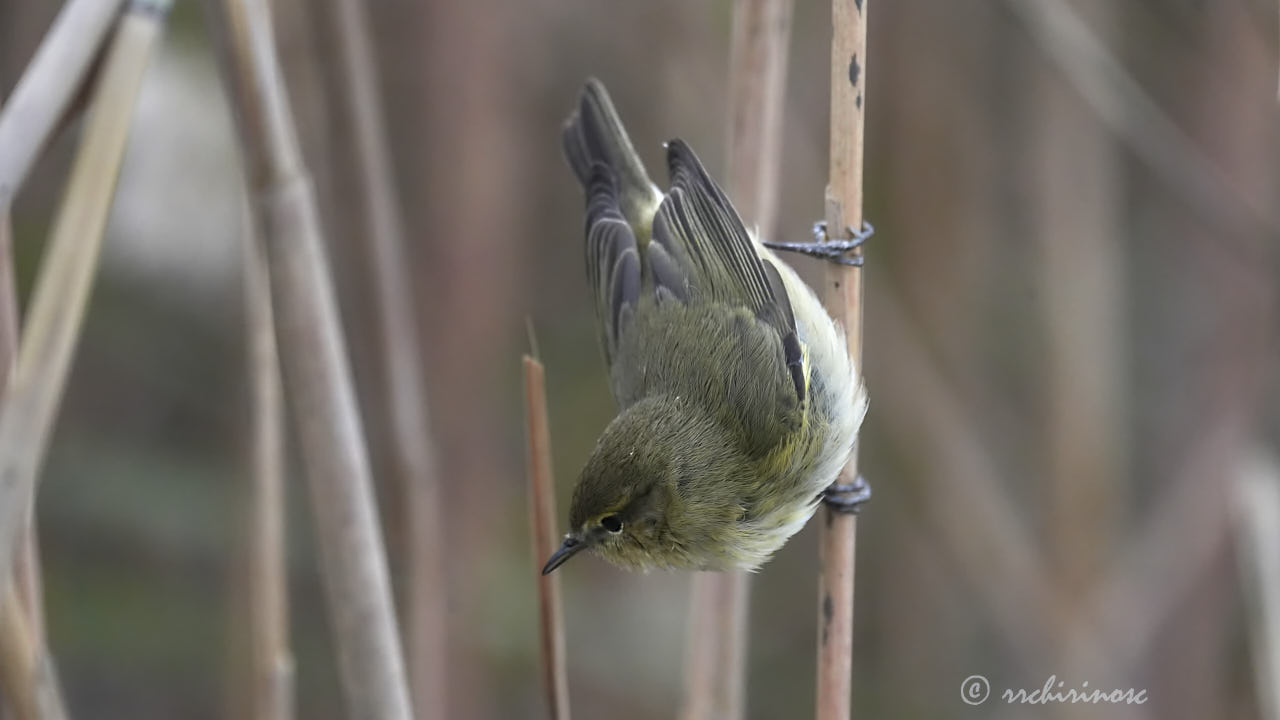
column 757, row 97
column 8, row 299
column 27, row 561
column 272, row 690
column 26, row 670
column 27, row 577
column 716, row 660
column 47, row 87
column 17, row 658
column 21, row 609
column 843, row 298
column 542, row 524
column 66, row 276
column 29, row 118
column 317, row 376
column 400, row 352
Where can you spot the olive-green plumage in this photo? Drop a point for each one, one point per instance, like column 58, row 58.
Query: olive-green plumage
column 738, row 403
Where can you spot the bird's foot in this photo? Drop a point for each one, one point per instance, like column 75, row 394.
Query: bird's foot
column 847, row 498
column 843, row 250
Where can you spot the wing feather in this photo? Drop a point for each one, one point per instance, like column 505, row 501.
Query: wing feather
column 696, row 226
column 613, row 261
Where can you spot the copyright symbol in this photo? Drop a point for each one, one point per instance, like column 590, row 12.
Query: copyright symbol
column 974, row 690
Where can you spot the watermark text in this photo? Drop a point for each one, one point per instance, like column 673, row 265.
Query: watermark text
column 976, row 689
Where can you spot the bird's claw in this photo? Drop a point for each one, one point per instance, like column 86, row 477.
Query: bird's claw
column 834, row 250
column 847, row 498
column 854, row 238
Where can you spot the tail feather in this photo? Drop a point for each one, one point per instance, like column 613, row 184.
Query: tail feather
column 594, row 134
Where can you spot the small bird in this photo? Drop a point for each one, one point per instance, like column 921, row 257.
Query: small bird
column 738, row 402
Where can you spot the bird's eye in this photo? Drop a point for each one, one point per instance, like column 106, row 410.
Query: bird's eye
column 612, row 523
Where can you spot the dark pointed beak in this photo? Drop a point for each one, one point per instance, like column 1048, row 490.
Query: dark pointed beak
column 568, row 549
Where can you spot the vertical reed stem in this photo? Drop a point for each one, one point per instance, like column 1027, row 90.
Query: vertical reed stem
column 21, row 609
column 716, row 660
column 17, row 659
column 314, row 365
column 272, row 676
column 843, row 298
column 404, row 388
column 27, row 562
column 27, row 674
column 542, row 524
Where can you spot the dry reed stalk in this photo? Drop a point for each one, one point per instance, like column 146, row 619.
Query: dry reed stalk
column 29, row 118
column 17, row 659
column 8, row 299
column 271, row 691
column 27, row 675
column 60, row 297
column 757, row 96
column 542, row 525
column 716, row 659
column 27, row 560
column 404, row 388
column 317, row 376
column 47, row 87
column 843, row 298
column 21, row 611
column 27, row 577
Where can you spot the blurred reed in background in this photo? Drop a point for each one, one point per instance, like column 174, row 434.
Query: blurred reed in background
column 1070, row 336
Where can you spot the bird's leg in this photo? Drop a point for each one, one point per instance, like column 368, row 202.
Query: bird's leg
column 847, row 497
column 835, row 250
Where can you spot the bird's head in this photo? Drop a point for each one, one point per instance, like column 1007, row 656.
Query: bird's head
column 637, row 502
column 620, row 505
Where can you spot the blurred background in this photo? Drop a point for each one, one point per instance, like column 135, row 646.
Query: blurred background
column 1071, row 353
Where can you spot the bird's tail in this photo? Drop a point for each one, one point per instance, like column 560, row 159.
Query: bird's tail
column 594, row 135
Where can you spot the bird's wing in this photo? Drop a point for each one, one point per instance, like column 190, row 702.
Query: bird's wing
column 701, row 250
column 593, row 134
column 613, row 261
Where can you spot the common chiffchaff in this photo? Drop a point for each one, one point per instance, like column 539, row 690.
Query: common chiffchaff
column 738, row 403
